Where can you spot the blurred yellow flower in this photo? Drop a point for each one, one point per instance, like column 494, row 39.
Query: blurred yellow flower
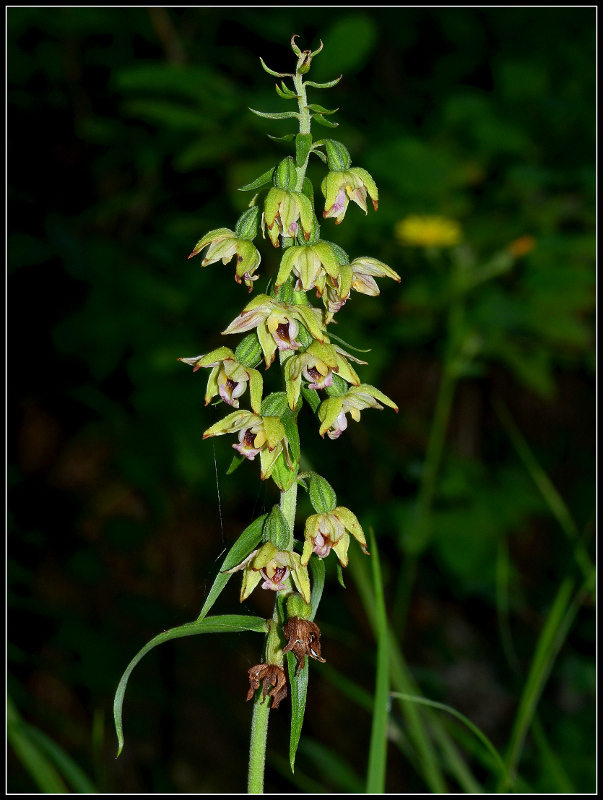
column 428, row 231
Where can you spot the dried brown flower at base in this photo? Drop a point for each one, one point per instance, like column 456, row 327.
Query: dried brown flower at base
column 303, row 638
column 272, row 676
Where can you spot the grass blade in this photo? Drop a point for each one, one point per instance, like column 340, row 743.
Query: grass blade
column 375, row 781
column 466, row 721
column 549, row 643
column 430, row 769
column 35, row 762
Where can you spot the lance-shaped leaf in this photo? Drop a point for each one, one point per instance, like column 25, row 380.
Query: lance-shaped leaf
column 244, row 545
column 277, row 115
column 299, row 682
column 263, row 179
column 324, row 122
column 311, row 397
column 288, row 137
column 233, row 623
column 285, row 92
column 272, row 72
column 303, row 143
column 321, row 109
column 327, row 85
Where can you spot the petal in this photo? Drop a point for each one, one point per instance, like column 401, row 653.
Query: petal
column 251, row 578
column 328, row 412
column 341, row 548
column 287, row 262
column 217, row 235
column 256, row 387
column 212, row 384
column 351, row 524
column 232, row 423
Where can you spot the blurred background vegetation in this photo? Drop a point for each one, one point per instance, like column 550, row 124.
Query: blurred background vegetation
column 128, row 135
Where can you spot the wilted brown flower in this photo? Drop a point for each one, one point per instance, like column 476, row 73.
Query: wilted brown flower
column 303, row 638
column 272, row 676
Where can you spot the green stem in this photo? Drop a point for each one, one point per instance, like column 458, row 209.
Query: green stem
column 257, row 747
column 289, row 504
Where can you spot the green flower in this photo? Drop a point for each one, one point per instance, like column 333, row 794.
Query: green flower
column 228, row 378
column 332, row 412
column 224, row 244
column 257, row 434
column 359, row 275
column 312, row 264
column 277, row 324
column 332, row 531
column 274, row 566
column 317, row 364
column 282, row 210
column 339, row 187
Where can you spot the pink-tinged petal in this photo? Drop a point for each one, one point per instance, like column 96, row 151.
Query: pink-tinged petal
column 246, row 444
column 322, row 547
column 316, row 380
column 284, row 335
column 365, row 284
column 276, row 583
column 338, row 206
column 338, row 427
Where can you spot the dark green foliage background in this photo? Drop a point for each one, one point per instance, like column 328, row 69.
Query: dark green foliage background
column 128, row 135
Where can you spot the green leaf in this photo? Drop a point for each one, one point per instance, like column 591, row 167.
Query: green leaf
column 321, row 155
column 272, row 72
column 311, row 396
column 261, row 181
column 35, row 762
column 325, row 122
column 285, row 93
column 342, row 341
column 375, row 781
column 288, row 137
column 73, row 773
column 233, row 623
column 321, row 109
column 472, row 727
column 299, row 689
column 277, row 115
column 236, row 462
column 303, row 143
column 317, row 571
column 247, row 541
column 340, row 575
column 326, row 85
column 289, row 424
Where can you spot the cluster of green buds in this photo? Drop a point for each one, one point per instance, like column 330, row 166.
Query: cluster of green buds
column 315, row 370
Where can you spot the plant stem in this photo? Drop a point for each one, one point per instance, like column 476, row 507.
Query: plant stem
column 289, row 503
column 257, row 746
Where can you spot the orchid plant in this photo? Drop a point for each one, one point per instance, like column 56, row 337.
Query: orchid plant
column 315, row 371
